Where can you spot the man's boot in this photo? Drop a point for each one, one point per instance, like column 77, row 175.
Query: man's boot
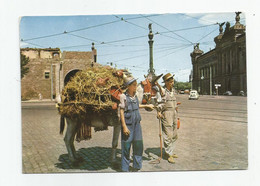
column 171, row 159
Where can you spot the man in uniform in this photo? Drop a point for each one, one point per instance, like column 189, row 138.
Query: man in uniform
column 167, row 112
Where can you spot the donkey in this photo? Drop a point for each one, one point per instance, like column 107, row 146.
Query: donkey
column 97, row 120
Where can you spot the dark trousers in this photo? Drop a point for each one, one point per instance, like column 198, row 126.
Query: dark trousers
column 136, row 139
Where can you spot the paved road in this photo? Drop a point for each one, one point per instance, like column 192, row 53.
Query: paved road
column 213, row 136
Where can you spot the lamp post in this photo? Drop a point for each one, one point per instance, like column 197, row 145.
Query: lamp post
column 202, row 77
column 210, row 80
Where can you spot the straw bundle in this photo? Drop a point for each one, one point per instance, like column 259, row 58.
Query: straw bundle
column 89, row 91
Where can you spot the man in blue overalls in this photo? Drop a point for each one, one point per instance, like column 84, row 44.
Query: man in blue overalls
column 131, row 133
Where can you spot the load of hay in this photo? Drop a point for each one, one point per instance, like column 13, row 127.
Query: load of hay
column 95, row 89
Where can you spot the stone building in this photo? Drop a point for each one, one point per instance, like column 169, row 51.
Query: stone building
column 223, row 68
column 50, row 69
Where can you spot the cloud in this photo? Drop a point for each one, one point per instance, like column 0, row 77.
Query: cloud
column 211, row 18
column 23, row 44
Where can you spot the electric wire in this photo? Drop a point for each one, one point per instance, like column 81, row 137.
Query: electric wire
column 86, row 28
column 167, row 29
column 122, row 19
column 132, row 57
column 100, row 43
column 207, row 35
column 33, row 44
column 189, row 28
column 132, row 51
column 174, row 51
column 198, row 18
column 82, row 37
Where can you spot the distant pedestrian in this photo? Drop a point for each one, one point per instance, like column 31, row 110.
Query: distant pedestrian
column 40, row 96
column 168, row 115
column 131, row 133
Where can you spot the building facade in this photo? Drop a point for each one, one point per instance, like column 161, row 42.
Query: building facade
column 50, row 69
column 223, row 68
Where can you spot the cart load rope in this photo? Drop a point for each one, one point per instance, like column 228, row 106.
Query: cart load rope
column 95, row 89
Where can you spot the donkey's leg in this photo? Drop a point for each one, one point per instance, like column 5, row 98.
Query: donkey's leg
column 69, row 138
column 116, row 132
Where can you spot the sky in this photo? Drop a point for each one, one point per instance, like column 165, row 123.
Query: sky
column 122, row 40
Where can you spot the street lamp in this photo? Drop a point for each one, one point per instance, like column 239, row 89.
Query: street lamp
column 202, row 77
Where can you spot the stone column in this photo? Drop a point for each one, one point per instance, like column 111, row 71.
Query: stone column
column 150, row 36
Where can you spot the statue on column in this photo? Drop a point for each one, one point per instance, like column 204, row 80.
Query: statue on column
column 150, row 27
column 196, row 47
column 237, row 17
column 221, row 27
column 227, row 27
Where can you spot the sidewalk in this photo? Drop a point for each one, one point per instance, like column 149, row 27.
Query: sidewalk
column 38, row 102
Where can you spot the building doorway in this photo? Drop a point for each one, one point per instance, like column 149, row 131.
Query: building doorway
column 70, row 75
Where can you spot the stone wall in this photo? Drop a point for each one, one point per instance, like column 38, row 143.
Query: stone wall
column 38, row 81
column 48, row 69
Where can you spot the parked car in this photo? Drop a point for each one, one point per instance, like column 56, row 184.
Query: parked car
column 181, row 91
column 228, row 93
column 186, row 91
column 241, row 93
column 194, row 94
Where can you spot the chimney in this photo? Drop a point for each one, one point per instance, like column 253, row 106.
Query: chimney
column 94, row 53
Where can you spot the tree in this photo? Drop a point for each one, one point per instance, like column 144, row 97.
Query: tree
column 182, row 85
column 24, row 61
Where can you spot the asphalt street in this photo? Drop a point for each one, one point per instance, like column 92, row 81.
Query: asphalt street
column 212, row 136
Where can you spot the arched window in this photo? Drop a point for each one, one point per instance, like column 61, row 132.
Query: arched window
column 55, row 55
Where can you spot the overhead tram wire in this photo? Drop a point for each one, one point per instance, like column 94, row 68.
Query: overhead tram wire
column 73, row 46
column 213, row 23
column 184, row 46
column 161, row 33
column 190, row 28
column 82, row 37
column 52, row 35
column 86, row 28
column 120, row 40
column 147, row 29
column 153, row 15
column 33, row 44
column 207, row 34
column 116, row 41
column 131, row 58
column 87, row 38
column 168, row 30
column 198, row 18
column 122, row 19
column 109, row 42
column 69, row 32
column 138, row 66
column 174, row 51
column 122, row 52
column 155, row 49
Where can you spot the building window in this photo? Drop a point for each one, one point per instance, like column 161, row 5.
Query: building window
column 55, row 55
column 47, row 75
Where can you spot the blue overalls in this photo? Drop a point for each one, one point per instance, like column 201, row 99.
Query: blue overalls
column 132, row 119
